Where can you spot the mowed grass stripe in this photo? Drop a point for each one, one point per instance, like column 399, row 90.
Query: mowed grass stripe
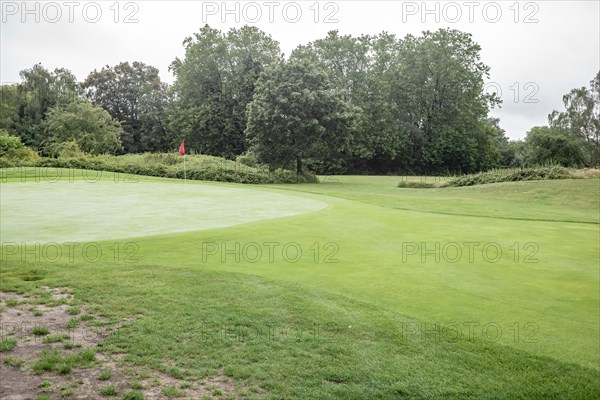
column 296, row 342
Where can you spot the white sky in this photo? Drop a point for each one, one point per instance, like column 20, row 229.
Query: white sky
column 544, row 48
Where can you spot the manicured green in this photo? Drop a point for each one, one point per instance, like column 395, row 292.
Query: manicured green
column 364, row 326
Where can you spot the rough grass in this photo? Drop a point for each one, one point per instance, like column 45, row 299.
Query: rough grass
column 503, row 175
column 197, row 167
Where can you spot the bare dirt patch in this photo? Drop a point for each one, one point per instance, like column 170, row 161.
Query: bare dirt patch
column 49, row 323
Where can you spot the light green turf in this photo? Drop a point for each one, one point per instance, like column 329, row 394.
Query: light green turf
column 547, row 307
column 85, row 210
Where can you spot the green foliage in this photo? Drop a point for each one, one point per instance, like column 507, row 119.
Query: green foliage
column 296, row 114
column 54, row 360
column 55, row 338
column 12, row 148
column 133, row 395
column 13, row 362
column 108, row 390
column 214, row 84
column 7, row 344
column 511, row 175
column 248, row 158
column 581, row 117
column 68, row 149
column 90, row 127
column 416, row 184
column 198, row 167
column 171, row 391
column 40, row 330
column 28, row 103
column 105, row 375
column 134, row 95
column 546, row 145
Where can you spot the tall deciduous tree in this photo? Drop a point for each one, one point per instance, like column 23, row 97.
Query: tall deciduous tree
column 581, row 117
column 547, row 145
column 441, row 81
column 40, row 90
column 133, row 94
column 214, row 84
column 297, row 113
column 90, row 126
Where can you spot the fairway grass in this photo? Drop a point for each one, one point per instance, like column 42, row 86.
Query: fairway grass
column 369, row 308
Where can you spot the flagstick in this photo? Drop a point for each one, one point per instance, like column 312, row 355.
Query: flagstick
column 184, row 175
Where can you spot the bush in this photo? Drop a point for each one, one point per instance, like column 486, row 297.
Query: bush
column 249, row 159
column 511, row 175
column 198, row 167
column 416, row 184
column 12, row 150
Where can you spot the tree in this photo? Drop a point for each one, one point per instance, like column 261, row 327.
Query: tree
column 10, row 103
column 581, row 117
column 40, row 91
column 547, row 145
column 90, row 126
column 134, row 95
column 297, row 113
column 13, row 148
column 214, row 84
column 362, row 68
column 440, row 81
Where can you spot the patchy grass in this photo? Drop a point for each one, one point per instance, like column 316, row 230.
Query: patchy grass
column 109, row 390
column 13, row 362
column 7, row 344
column 55, row 338
column 105, row 375
column 40, row 330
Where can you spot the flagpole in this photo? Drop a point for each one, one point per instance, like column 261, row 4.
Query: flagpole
column 184, row 175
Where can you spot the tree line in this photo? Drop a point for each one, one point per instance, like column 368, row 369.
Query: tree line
column 340, row 104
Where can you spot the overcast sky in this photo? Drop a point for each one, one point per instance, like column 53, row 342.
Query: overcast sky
column 537, row 50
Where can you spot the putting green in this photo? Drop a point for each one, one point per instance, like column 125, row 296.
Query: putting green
column 46, row 212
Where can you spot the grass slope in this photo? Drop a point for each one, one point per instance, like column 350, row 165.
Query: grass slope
column 364, row 326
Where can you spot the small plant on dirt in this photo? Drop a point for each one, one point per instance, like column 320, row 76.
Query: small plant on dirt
column 172, row 391
column 13, row 362
column 55, row 338
column 105, row 375
column 7, row 344
column 73, row 323
column 136, row 385
column 40, row 331
column 37, row 313
column 12, row 302
column 108, row 390
column 133, row 395
column 74, row 310
column 45, row 386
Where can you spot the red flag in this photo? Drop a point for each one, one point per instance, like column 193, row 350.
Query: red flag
column 182, row 149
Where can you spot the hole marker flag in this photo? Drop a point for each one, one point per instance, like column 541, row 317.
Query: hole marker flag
column 182, row 149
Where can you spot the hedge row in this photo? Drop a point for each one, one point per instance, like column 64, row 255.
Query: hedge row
column 204, row 168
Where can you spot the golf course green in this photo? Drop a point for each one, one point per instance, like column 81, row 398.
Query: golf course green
column 351, row 288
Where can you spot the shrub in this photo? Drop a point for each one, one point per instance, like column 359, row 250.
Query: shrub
column 510, row 175
column 416, row 184
column 198, row 167
column 133, row 395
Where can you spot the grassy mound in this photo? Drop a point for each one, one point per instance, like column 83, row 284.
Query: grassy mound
column 198, row 167
column 506, row 175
